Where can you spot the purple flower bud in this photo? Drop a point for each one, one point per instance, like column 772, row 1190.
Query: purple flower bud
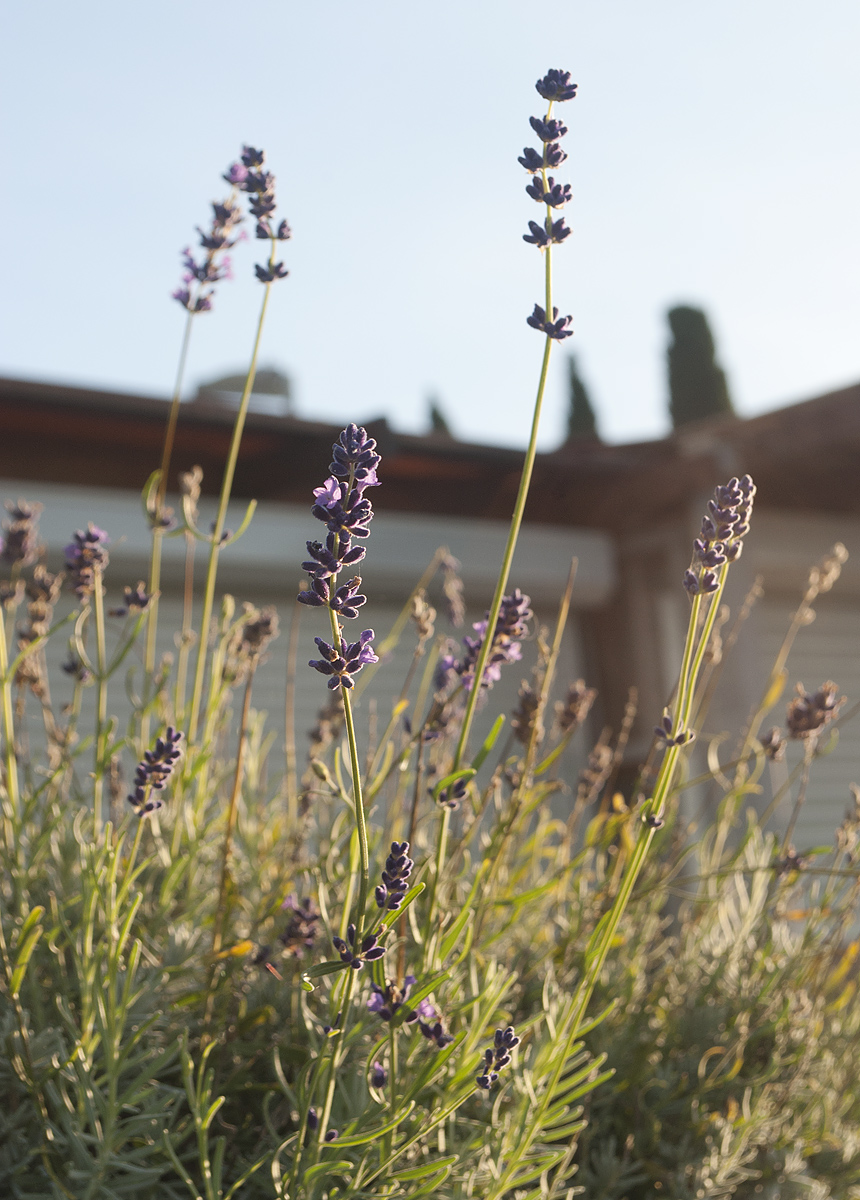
column 548, row 131
column 556, row 86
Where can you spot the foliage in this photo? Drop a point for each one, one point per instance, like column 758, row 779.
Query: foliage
column 581, row 419
column 697, row 385
column 412, row 966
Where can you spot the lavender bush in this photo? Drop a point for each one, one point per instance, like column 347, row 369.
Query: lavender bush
column 416, row 971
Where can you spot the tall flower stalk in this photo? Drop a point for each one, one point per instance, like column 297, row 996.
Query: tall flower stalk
column 195, row 294
column 719, row 544
column 555, row 87
column 247, row 175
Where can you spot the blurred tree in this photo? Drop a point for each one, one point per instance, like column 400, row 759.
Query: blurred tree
column 581, row 420
column 697, row 385
column 438, row 420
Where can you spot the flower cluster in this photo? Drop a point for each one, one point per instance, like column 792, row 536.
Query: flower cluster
column 809, row 712
column 21, row 540
column 387, row 1001
column 154, row 771
column 357, row 956
column 215, row 262
column 85, row 555
column 248, row 175
column 395, row 877
column 572, row 712
column 341, row 504
column 663, row 732
column 724, row 527
column 136, row 599
column 543, row 189
column 511, row 627
column 431, row 1026
column 300, row 930
column 343, row 661
column 497, row 1056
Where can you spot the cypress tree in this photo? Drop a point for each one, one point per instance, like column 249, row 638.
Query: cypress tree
column 438, row 420
column 581, row 421
column 697, row 384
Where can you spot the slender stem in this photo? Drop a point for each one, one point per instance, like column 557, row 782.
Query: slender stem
column 227, row 848
column 101, row 700
column 215, row 543
column 187, row 635
column 291, row 775
column 507, row 559
column 158, row 529
column 808, row 755
column 10, row 757
column 360, row 818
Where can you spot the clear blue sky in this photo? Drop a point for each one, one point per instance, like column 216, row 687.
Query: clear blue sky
column 713, row 158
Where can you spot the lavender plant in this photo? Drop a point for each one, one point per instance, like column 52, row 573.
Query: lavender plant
column 407, row 971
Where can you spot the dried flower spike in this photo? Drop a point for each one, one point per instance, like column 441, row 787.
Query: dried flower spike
column 808, row 713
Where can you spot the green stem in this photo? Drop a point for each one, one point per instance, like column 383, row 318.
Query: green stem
column 101, row 701
column 215, row 543
column 602, row 939
column 158, row 529
column 10, row 757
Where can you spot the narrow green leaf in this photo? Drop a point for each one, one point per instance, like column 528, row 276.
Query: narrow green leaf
column 449, row 941
column 447, row 780
column 321, row 1169
column 370, row 1135
column 489, row 742
column 413, row 894
column 426, row 1169
column 23, row 959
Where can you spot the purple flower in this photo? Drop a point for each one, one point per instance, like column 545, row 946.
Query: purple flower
column 378, row 1075
column 548, row 131
column 346, row 660
column 511, row 626
column 430, row 1025
column 85, row 555
column 270, row 273
column 329, row 494
column 236, row 174
column 552, row 234
column 531, row 160
column 497, row 1056
column 556, row 85
column 556, row 328
column 356, row 956
column 300, row 930
column 388, row 1000
column 724, row 527
column 154, row 771
column 252, row 157
column 395, row 876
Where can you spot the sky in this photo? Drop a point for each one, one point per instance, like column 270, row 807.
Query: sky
column 712, row 157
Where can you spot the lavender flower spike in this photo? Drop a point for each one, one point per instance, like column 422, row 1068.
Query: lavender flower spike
column 154, row 771
column 724, row 527
column 344, row 661
column 86, row 553
column 395, row 876
column 497, row 1056
column 511, row 627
